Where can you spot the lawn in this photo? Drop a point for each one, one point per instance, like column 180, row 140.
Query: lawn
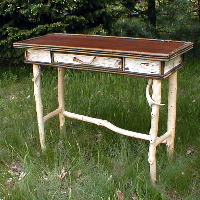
column 89, row 162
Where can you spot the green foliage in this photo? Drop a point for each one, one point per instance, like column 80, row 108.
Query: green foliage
column 178, row 19
column 173, row 15
column 21, row 19
column 189, row 33
column 133, row 27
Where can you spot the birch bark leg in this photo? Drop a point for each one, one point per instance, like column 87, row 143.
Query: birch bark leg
column 39, row 106
column 171, row 123
column 156, row 96
column 61, row 74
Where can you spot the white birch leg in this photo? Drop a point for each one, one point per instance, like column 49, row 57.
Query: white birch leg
column 61, row 74
column 171, row 123
column 39, row 107
column 156, row 96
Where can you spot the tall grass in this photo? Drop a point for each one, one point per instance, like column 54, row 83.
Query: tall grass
column 88, row 161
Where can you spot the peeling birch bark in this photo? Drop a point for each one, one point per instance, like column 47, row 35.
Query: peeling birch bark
column 100, row 61
column 39, row 107
column 142, row 66
column 154, row 128
column 38, row 55
column 171, row 123
column 61, row 75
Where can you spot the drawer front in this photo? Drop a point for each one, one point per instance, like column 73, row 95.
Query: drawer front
column 38, row 56
column 142, row 66
column 99, row 61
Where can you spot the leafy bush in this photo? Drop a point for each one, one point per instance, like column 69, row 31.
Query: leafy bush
column 178, row 20
column 133, row 27
column 190, row 33
column 21, row 19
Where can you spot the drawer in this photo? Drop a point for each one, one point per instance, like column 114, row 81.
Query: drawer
column 38, row 56
column 142, row 66
column 151, row 66
column 98, row 61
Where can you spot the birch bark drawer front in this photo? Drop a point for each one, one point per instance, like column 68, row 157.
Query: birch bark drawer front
column 152, row 66
column 99, row 61
column 142, row 66
column 34, row 55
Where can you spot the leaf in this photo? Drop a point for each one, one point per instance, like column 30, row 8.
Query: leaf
column 45, row 175
column 21, row 176
column 61, row 144
column 120, row 195
column 134, row 196
column 10, row 182
column 62, row 174
column 190, row 150
column 110, row 178
column 13, row 173
column 79, row 172
column 16, row 166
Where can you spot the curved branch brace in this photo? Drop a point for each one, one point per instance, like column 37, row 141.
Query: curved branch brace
column 149, row 99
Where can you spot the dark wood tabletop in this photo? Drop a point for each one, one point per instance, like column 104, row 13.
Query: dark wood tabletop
column 127, row 46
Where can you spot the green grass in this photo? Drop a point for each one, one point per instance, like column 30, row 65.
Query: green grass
column 96, row 162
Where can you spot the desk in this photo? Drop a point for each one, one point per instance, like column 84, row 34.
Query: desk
column 145, row 58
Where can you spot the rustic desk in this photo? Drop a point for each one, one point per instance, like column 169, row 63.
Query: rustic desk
column 146, row 58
